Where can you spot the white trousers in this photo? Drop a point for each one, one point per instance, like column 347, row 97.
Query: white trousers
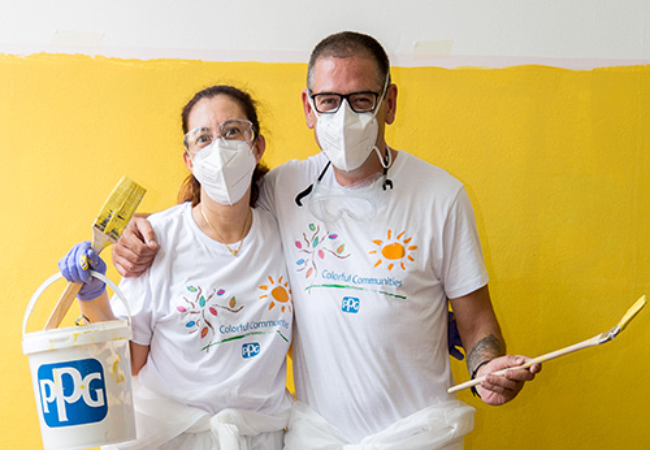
column 438, row 427
column 165, row 424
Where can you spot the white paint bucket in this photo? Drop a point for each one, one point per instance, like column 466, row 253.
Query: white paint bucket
column 82, row 380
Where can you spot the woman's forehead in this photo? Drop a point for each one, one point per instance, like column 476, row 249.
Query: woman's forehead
column 214, row 110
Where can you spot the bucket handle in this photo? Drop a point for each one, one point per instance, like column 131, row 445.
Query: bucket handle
column 56, row 276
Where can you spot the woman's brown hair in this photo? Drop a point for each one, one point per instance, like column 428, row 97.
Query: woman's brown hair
column 191, row 188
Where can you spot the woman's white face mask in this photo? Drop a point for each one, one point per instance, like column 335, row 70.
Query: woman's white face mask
column 348, row 137
column 225, row 170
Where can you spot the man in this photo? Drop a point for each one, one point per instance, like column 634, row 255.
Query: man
column 376, row 242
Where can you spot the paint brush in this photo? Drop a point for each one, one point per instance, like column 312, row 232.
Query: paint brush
column 596, row 340
column 107, row 229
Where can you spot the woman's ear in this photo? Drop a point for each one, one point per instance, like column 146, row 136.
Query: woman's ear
column 187, row 160
column 260, row 146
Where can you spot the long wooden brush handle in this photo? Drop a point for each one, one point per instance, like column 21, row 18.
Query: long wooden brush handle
column 67, row 298
column 63, row 305
column 540, row 359
column 107, row 228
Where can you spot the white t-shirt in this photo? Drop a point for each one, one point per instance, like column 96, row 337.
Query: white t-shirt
column 219, row 327
column 370, row 342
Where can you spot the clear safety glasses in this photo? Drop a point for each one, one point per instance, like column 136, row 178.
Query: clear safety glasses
column 329, row 202
column 229, row 130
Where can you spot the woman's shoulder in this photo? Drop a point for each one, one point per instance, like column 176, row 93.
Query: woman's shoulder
column 169, row 217
column 266, row 220
column 170, row 213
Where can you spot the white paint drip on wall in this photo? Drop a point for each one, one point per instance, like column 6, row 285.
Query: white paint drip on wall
column 84, row 39
column 432, row 49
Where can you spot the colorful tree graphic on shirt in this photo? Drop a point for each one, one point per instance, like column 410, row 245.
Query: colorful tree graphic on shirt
column 200, row 312
column 315, row 247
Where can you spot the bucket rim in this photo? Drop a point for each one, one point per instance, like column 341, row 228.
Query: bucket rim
column 32, row 302
column 70, row 337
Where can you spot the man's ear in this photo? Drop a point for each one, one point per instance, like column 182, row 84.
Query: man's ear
column 391, row 103
column 310, row 115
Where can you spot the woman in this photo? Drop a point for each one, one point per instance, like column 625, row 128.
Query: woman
column 212, row 316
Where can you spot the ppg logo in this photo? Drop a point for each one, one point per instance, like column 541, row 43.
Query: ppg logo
column 250, row 350
column 350, row 305
column 72, row 393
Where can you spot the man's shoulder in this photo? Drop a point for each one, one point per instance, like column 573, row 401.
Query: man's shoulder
column 299, row 166
column 295, row 172
column 422, row 172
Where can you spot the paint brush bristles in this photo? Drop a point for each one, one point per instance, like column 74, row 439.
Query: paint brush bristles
column 632, row 312
column 594, row 341
column 108, row 227
column 116, row 213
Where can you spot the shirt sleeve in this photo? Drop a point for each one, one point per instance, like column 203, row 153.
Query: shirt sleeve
column 266, row 200
column 138, row 296
column 463, row 266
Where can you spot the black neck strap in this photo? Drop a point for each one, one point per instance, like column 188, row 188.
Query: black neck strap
column 387, row 183
column 307, row 191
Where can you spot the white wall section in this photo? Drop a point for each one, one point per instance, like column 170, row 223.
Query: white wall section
column 446, row 33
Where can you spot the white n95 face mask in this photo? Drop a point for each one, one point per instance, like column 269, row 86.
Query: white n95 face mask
column 347, row 137
column 225, row 169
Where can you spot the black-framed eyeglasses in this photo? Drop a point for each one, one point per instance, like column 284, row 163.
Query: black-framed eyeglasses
column 330, row 102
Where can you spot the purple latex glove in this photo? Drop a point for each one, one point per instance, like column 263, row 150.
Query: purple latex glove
column 453, row 338
column 75, row 267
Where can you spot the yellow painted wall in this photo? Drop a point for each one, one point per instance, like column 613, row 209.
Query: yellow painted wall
column 555, row 161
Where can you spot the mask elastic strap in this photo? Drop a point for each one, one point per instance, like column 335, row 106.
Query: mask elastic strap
column 386, row 162
column 309, row 188
column 383, row 93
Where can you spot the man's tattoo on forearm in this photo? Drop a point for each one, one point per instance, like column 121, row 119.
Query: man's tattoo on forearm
column 487, row 348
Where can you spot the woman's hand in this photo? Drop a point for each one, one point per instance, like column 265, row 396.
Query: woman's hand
column 76, row 266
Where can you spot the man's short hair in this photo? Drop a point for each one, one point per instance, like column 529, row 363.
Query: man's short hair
column 346, row 44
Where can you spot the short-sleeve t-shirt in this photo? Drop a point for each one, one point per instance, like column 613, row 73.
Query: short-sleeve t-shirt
column 370, row 341
column 218, row 326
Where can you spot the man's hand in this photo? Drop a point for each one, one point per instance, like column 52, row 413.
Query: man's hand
column 480, row 332
column 135, row 251
column 499, row 389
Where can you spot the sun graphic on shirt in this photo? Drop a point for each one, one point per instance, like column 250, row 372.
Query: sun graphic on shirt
column 279, row 294
column 394, row 250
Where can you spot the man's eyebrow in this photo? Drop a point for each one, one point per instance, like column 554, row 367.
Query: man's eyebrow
column 351, row 93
